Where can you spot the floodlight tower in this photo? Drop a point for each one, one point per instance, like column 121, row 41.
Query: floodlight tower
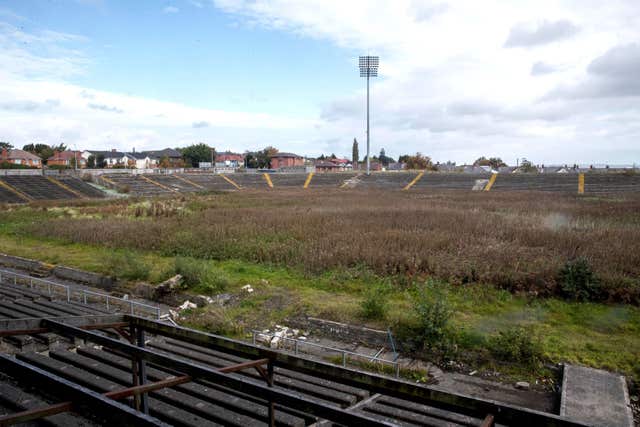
column 368, row 68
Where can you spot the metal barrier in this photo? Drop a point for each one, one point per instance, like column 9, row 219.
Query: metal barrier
column 297, row 343
column 83, row 295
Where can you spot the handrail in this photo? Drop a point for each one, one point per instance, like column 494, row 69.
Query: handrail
column 344, row 353
column 69, row 291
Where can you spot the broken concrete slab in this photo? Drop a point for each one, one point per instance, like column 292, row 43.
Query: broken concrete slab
column 595, row 397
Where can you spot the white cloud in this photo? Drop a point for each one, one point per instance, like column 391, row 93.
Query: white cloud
column 170, row 9
column 450, row 88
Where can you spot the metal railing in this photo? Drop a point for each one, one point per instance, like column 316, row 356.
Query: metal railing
column 78, row 294
column 347, row 356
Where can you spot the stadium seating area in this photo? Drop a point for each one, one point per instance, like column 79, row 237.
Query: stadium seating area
column 25, row 188
column 20, row 189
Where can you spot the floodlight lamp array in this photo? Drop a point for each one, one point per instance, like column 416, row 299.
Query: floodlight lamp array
column 369, row 66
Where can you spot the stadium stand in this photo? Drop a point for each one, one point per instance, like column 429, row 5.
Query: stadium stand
column 250, row 180
column 79, row 186
column 9, row 196
column 611, row 183
column 538, row 182
column 38, row 187
column 288, row 179
column 386, row 180
column 330, row 179
column 458, row 181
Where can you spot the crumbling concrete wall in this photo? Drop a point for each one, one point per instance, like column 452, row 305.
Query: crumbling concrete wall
column 342, row 331
column 93, row 279
column 21, row 263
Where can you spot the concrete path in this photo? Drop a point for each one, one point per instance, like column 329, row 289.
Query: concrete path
column 595, row 397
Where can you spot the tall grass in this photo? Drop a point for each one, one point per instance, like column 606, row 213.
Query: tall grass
column 516, row 241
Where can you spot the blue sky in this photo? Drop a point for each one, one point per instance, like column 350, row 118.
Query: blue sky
column 199, row 56
column 554, row 81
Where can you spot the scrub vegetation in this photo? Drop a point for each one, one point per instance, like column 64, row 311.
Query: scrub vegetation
column 491, row 278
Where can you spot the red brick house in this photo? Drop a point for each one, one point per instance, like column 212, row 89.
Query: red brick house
column 65, row 159
column 328, row 167
column 227, row 158
column 20, row 157
column 286, row 160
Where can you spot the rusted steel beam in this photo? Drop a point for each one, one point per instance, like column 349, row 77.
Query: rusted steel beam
column 85, row 401
column 455, row 402
column 243, row 365
column 34, row 414
column 241, row 384
column 488, row 421
column 58, row 408
column 145, row 388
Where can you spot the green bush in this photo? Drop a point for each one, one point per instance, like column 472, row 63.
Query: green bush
column 128, row 266
column 516, row 344
column 199, row 275
column 578, row 282
column 374, row 304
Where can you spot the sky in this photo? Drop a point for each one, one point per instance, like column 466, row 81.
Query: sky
column 553, row 81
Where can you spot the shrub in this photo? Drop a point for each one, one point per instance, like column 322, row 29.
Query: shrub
column 127, row 265
column 516, row 344
column 374, row 304
column 578, row 282
column 197, row 274
column 430, row 328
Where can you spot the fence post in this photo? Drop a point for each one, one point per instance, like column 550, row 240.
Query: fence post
column 84, row 297
column 397, row 370
column 131, row 306
column 344, row 359
column 296, row 347
column 49, row 288
column 158, row 312
column 68, row 294
column 107, row 302
column 253, row 340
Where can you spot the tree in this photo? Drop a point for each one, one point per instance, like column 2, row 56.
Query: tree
column 91, row 162
column 493, row 162
column 100, row 162
column 260, row 159
column 419, row 162
column 355, row 155
column 6, row 145
column 44, row 151
column 198, row 153
column 527, row 166
column 164, row 162
column 384, row 159
column 404, row 158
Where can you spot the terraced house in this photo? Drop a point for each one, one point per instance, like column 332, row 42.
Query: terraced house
column 20, row 157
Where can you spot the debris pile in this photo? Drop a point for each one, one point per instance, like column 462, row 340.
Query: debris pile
column 282, row 336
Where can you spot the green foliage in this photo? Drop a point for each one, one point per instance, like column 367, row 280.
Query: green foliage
column 91, row 162
column 198, row 153
column 494, row 162
column 6, row 145
column 128, row 266
column 260, row 159
column 44, row 151
column 516, row 344
column 9, row 165
column 578, row 282
column 418, row 162
column 434, row 314
column 200, row 275
column 374, row 304
column 527, row 167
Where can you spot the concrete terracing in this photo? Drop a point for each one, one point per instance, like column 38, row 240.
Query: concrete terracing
column 595, row 397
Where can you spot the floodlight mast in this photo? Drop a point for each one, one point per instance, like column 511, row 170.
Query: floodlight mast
column 368, row 68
